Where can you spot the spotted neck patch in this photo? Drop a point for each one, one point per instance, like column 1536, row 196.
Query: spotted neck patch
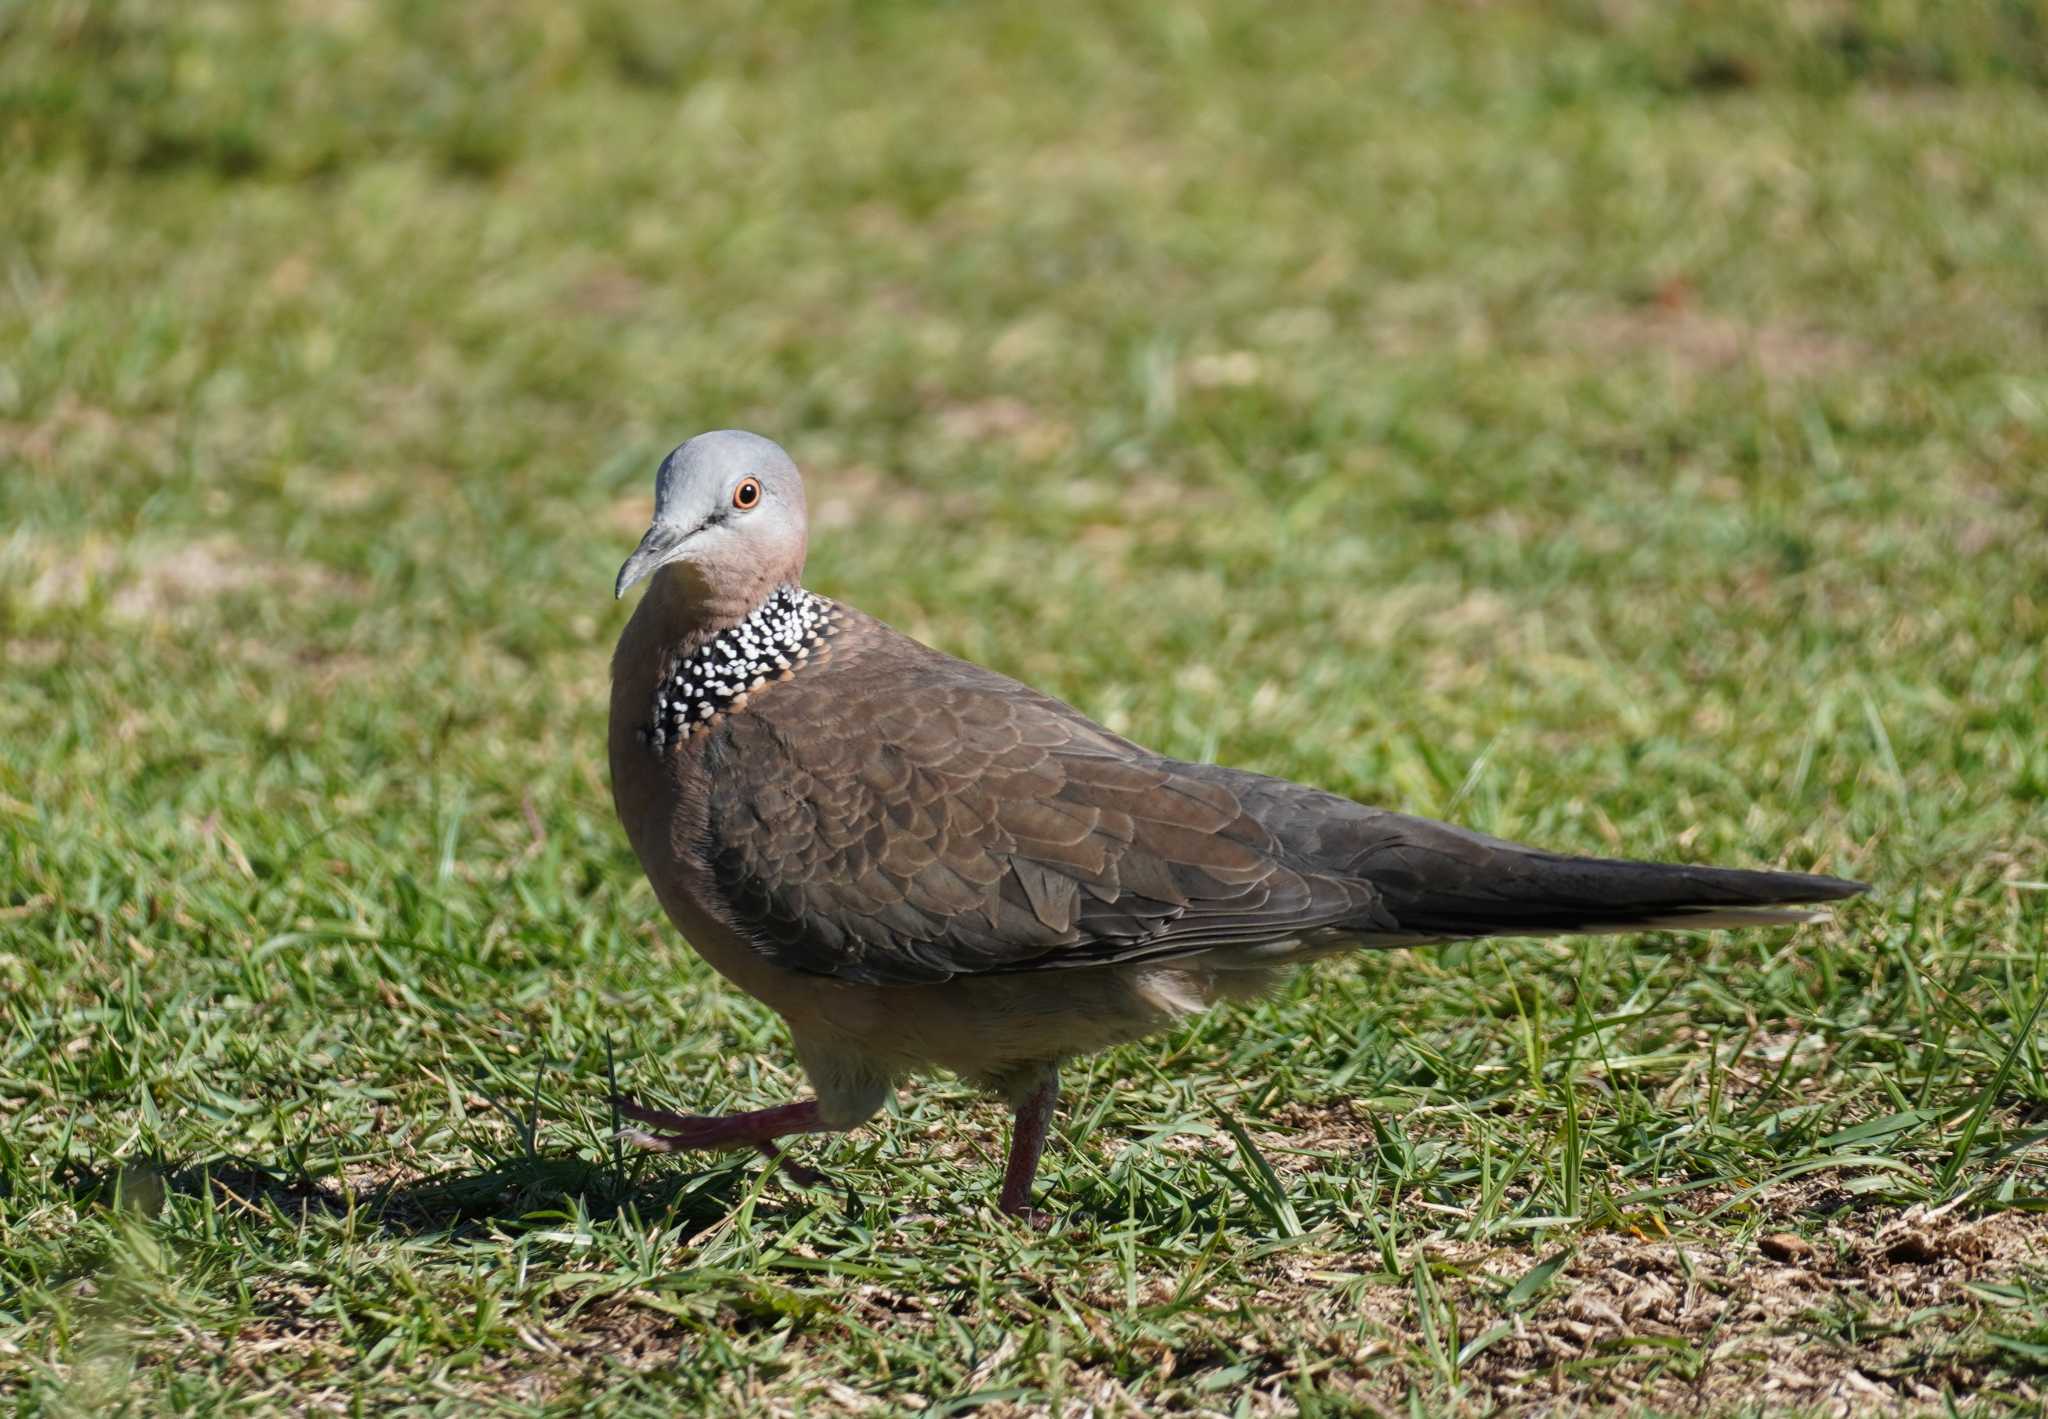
column 778, row 638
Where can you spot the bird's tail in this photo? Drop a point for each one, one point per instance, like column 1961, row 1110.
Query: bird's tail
column 1437, row 882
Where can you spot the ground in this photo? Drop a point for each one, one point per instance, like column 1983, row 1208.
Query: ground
column 1615, row 425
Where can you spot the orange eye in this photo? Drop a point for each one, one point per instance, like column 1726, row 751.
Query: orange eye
column 747, row 494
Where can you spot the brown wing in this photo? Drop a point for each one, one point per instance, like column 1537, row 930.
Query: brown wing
column 895, row 815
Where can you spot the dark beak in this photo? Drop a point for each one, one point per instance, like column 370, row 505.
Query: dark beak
column 655, row 548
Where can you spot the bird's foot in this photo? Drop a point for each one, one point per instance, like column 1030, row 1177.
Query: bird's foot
column 1032, row 1217
column 677, row 1133
column 683, row 1133
column 695, row 1131
column 684, row 1142
column 656, row 1142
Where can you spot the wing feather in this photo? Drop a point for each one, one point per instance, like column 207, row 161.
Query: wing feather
column 894, row 815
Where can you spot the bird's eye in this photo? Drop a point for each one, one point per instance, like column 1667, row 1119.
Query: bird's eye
column 747, row 494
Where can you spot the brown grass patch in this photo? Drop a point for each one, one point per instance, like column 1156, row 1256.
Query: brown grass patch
column 1696, row 341
column 167, row 580
column 1027, row 432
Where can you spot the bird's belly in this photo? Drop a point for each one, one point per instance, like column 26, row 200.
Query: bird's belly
column 987, row 1027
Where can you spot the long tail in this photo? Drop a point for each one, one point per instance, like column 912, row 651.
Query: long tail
column 1438, row 882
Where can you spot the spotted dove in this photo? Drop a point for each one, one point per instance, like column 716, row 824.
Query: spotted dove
column 921, row 864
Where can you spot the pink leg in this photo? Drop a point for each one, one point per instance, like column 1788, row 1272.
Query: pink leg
column 1027, row 1144
column 758, row 1129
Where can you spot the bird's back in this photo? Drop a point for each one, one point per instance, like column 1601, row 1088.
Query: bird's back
column 891, row 814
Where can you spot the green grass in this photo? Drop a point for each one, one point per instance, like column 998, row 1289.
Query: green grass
column 1620, row 426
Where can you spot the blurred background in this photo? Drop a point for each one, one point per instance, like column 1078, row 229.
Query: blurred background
column 1425, row 351
column 1276, row 387
column 1614, row 423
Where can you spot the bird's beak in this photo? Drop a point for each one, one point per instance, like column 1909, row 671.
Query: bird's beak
column 659, row 546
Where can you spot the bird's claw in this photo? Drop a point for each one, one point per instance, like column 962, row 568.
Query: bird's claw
column 652, row 1142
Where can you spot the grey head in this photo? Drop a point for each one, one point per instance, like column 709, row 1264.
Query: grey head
column 728, row 522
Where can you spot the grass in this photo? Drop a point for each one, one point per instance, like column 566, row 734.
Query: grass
column 1619, row 426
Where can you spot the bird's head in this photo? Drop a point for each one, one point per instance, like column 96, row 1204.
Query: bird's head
column 728, row 523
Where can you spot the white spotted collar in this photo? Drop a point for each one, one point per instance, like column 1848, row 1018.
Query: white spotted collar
column 774, row 641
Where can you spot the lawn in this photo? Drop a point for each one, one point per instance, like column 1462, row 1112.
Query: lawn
column 1617, row 425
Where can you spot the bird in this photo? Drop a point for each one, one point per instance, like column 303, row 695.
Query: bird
column 925, row 866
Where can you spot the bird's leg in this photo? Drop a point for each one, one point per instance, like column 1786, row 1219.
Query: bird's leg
column 759, row 1129
column 1027, row 1143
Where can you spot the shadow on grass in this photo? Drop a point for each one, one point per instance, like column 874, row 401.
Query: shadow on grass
column 500, row 1196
